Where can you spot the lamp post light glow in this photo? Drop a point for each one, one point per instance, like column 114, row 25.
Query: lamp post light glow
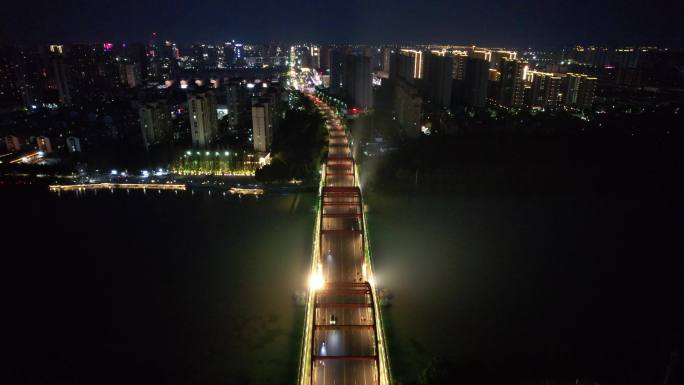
column 316, row 281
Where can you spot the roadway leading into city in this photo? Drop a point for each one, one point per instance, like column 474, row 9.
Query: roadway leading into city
column 344, row 339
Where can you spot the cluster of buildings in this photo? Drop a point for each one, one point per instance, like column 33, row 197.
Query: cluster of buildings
column 142, row 94
column 346, row 71
column 158, row 93
column 42, row 144
column 427, row 80
column 249, row 105
column 433, row 81
column 61, row 75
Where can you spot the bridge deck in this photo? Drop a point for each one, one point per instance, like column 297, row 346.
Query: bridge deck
column 344, row 340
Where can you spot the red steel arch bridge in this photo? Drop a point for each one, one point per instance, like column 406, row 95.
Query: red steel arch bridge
column 344, row 339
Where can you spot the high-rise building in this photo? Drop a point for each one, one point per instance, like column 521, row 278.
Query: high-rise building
column 357, row 81
column 408, row 106
column 625, row 57
column 494, row 75
column 137, row 53
column 411, row 64
column 10, row 94
column 228, row 54
column 394, row 66
column 155, row 123
column 480, row 54
column 60, row 78
column 496, row 56
column 511, row 83
column 474, row 84
column 130, row 74
column 233, row 103
column 73, row 144
column 56, row 48
column 546, row 90
column 631, row 77
column 579, row 90
column 386, row 53
column 367, row 51
column 200, row 56
column 336, row 69
column 43, row 144
column 12, row 143
column 262, row 126
column 325, row 58
column 239, row 51
column 31, row 82
column 459, row 60
column 203, row 118
column 315, row 53
column 439, row 75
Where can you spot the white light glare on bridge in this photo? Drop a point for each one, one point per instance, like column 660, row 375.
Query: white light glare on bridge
column 316, row 281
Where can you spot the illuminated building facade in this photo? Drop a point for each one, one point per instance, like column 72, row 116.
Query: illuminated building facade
column 315, row 53
column 262, row 126
column 12, row 143
column 203, row 118
column 410, row 64
column 496, row 56
column 155, row 123
column 43, row 144
column 511, row 83
column 579, row 91
column 480, row 54
column 545, row 90
column 458, row 71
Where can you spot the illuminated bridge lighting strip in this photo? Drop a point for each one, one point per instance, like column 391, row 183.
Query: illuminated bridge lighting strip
column 382, row 340
column 305, row 362
column 109, row 186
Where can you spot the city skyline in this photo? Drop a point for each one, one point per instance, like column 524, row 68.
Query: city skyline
column 522, row 24
column 342, row 193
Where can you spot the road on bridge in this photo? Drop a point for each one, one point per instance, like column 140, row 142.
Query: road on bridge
column 344, row 330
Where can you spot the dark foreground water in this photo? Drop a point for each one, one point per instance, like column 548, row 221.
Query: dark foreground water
column 512, row 289
column 191, row 289
column 153, row 288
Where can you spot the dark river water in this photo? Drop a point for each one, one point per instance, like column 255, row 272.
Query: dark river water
column 155, row 288
column 531, row 289
column 197, row 289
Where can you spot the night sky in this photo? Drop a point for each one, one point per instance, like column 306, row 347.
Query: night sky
column 520, row 23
